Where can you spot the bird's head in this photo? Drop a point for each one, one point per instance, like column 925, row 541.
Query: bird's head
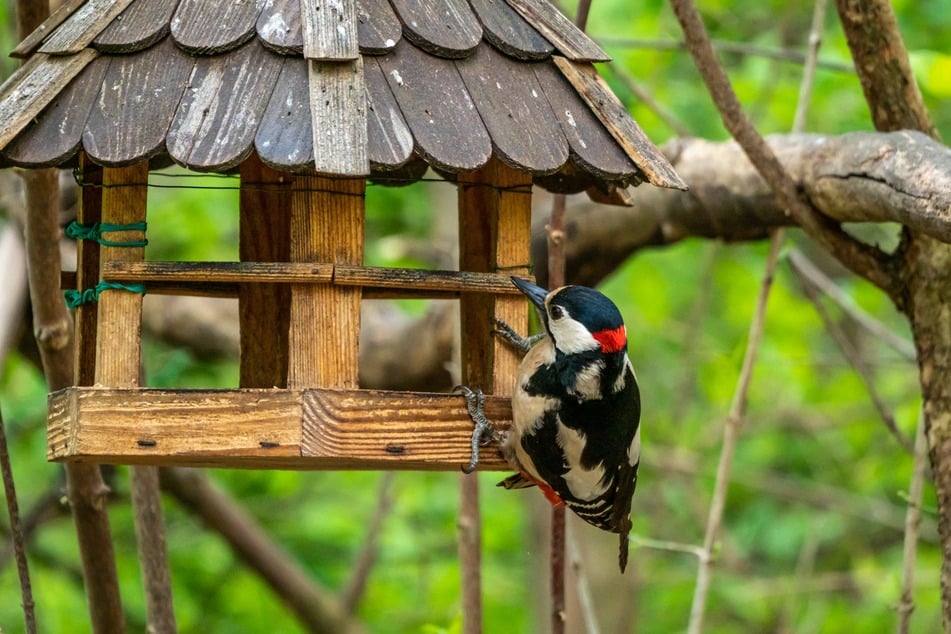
column 578, row 319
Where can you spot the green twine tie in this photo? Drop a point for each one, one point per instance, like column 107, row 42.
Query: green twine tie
column 76, row 298
column 79, row 231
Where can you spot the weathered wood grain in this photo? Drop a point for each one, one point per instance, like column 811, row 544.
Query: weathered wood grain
column 559, row 30
column 267, row 428
column 89, row 211
column 57, row 132
column 82, row 26
column 508, row 31
column 495, row 235
column 30, row 88
column 447, row 28
column 330, row 29
column 119, row 319
column 263, row 309
column 130, row 118
column 265, row 272
column 612, row 113
column 279, row 27
column 285, row 137
column 215, row 124
column 513, row 108
column 591, row 144
column 327, row 225
column 140, row 26
column 378, row 28
column 338, row 110
column 437, row 107
column 207, row 27
column 389, row 140
column 425, row 280
column 33, row 41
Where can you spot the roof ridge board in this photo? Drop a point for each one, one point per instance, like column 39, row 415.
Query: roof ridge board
column 378, row 29
column 573, row 43
column 137, row 28
column 82, row 26
column 34, row 40
column 330, row 29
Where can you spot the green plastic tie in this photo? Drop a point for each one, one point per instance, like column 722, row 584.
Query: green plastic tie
column 76, row 298
column 79, row 231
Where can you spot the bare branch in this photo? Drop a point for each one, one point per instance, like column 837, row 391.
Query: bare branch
column 912, row 528
column 16, row 533
column 356, row 585
column 862, row 259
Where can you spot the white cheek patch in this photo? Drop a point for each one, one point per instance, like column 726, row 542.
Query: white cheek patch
column 584, row 484
column 571, row 337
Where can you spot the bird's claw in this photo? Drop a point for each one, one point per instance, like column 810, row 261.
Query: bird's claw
column 483, row 432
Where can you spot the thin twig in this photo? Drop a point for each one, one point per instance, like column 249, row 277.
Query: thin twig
column 805, row 268
column 912, row 528
column 858, row 363
column 731, row 430
column 356, row 586
column 863, row 259
column 16, row 533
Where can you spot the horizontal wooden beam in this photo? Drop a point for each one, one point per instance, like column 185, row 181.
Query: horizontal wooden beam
column 315, row 429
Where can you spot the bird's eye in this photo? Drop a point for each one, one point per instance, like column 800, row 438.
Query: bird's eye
column 556, row 312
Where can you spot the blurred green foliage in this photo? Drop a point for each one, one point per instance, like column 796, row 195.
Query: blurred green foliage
column 813, row 535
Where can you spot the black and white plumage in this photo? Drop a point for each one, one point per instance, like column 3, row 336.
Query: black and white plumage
column 576, row 408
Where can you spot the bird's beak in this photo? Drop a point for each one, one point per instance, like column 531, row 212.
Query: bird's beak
column 535, row 293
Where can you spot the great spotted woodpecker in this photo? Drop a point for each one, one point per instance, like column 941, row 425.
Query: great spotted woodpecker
column 576, row 409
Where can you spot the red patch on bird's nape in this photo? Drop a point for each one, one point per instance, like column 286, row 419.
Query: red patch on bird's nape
column 612, row 340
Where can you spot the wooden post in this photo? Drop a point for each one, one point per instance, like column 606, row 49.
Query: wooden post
column 87, row 272
column 264, row 309
column 327, row 222
column 495, row 217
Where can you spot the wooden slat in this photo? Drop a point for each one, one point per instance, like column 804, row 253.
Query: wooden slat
column 447, row 28
column 140, row 26
column 119, row 320
column 524, row 131
column 216, row 122
column 264, row 309
column 591, row 144
column 327, row 219
column 33, row 41
column 32, row 87
column 424, row 280
column 264, row 272
column 389, row 140
column 378, row 28
column 80, row 28
column 330, row 29
column 267, row 428
column 338, row 110
column 57, row 132
column 495, row 234
column 285, row 137
column 437, row 107
column 559, row 30
column 279, row 27
column 508, row 31
column 207, row 27
column 130, row 118
column 612, row 113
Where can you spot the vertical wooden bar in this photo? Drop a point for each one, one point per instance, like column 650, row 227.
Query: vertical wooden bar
column 264, row 309
column 327, row 220
column 119, row 328
column 87, row 272
column 494, row 236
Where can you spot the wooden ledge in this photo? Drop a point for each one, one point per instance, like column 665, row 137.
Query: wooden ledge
column 268, row 428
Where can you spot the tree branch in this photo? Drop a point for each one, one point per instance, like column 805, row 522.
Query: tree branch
column 862, row 259
column 17, row 536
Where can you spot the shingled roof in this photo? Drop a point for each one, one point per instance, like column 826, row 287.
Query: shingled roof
column 203, row 83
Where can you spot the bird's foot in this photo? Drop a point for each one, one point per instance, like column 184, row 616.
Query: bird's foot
column 483, row 433
column 508, row 334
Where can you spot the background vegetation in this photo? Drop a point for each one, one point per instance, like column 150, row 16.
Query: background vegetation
column 814, row 523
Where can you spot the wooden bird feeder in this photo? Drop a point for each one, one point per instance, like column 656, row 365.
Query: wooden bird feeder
column 307, row 100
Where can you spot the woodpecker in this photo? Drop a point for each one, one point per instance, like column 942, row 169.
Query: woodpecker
column 576, row 409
